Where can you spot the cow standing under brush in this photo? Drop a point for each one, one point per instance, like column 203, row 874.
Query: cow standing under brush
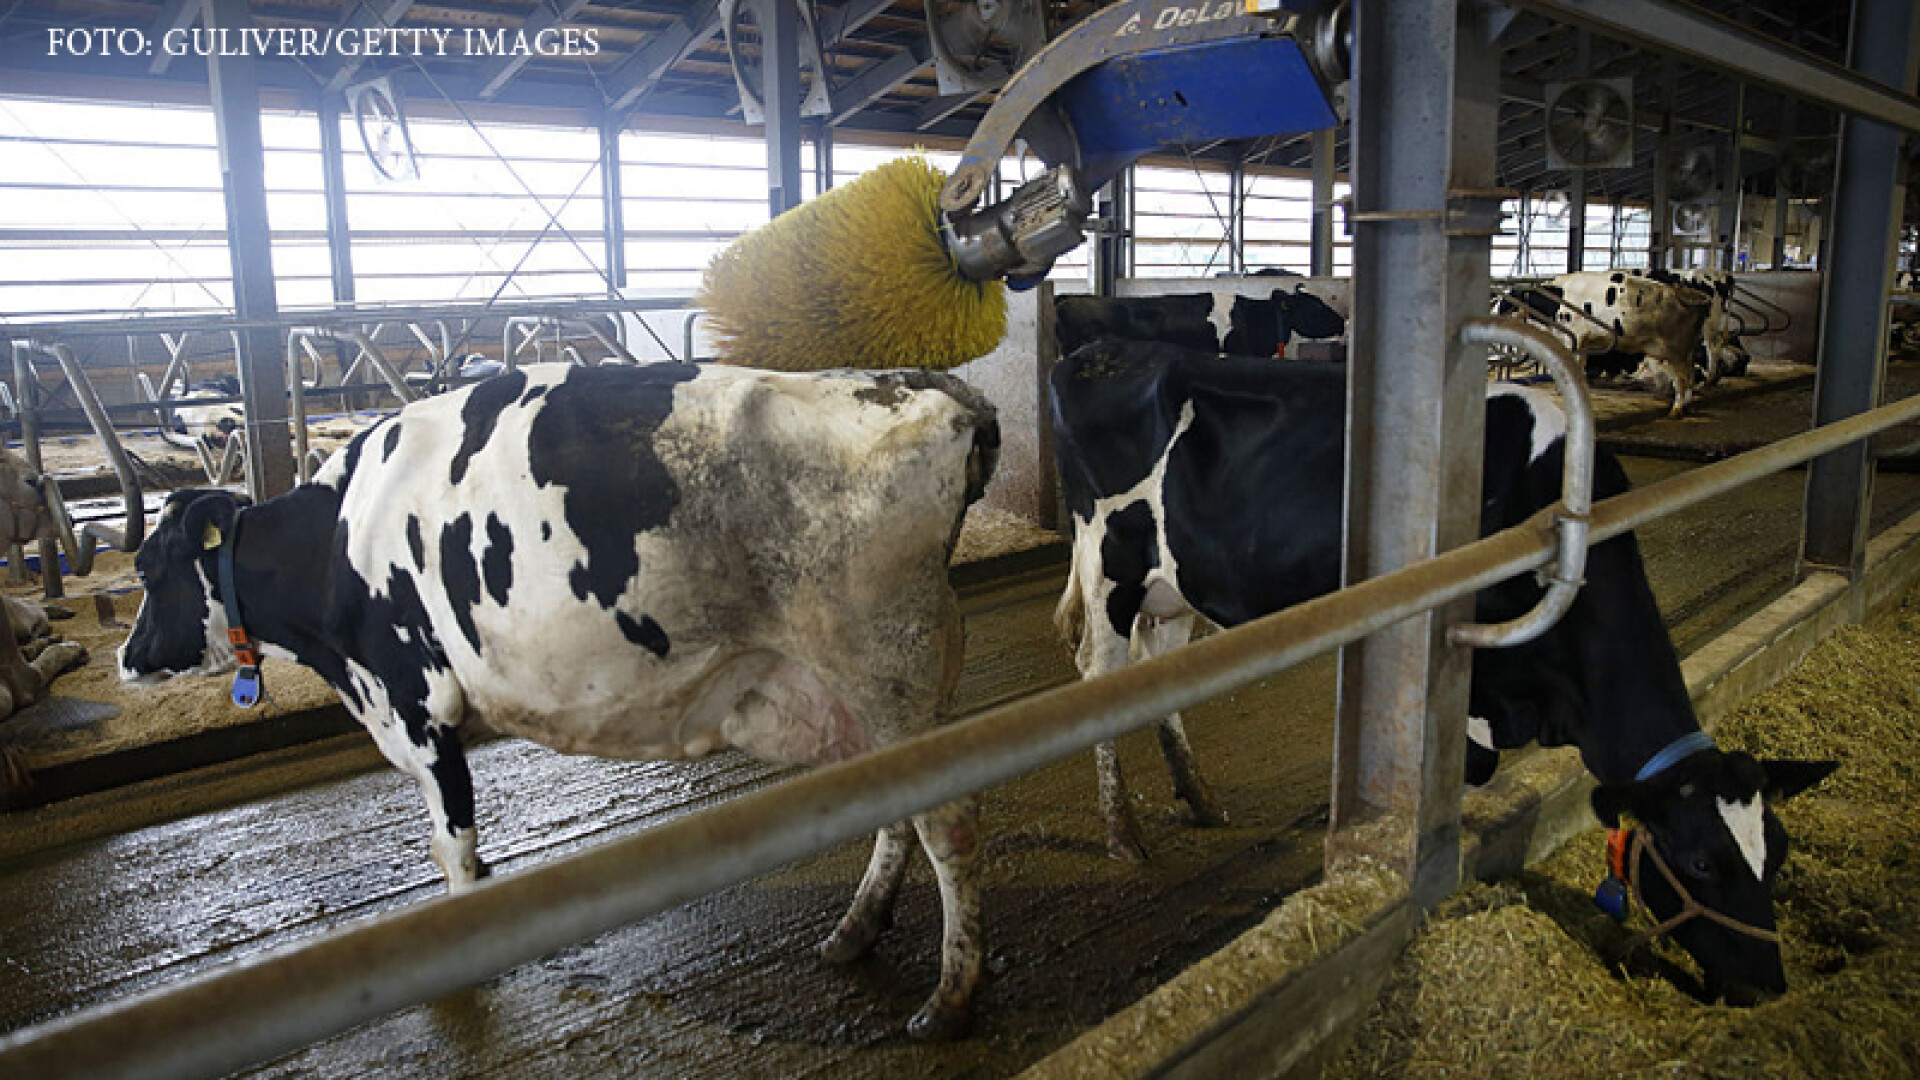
column 644, row 563
column 1213, row 486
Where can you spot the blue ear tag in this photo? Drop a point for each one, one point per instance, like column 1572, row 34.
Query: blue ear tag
column 246, row 687
column 1611, row 897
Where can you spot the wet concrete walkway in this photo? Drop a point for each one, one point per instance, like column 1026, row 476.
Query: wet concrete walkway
column 729, row 987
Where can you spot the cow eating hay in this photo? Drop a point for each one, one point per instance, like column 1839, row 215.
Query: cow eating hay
column 651, row 562
column 1213, row 486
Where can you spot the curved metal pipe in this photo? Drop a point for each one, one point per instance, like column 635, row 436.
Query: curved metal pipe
column 127, row 539
column 297, row 394
column 1571, row 515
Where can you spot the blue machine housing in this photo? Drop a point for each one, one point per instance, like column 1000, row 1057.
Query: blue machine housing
column 1133, row 105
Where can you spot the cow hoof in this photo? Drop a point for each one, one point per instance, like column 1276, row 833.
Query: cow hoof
column 851, row 940
column 1205, row 815
column 939, row 1021
column 1125, row 848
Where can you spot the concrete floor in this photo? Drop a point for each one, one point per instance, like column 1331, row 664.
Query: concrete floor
column 729, row 987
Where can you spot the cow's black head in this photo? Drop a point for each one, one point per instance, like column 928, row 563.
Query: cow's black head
column 1709, row 817
column 181, row 629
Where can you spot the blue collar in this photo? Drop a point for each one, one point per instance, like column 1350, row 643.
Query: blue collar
column 1683, row 747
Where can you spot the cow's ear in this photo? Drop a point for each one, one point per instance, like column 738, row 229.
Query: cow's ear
column 209, row 519
column 1611, row 800
column 1786, row 778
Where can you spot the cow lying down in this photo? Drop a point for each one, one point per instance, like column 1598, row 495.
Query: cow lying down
column 651, row 562
column 1214, row 486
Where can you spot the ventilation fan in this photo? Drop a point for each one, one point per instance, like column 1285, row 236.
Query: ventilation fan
column 978, row 43
column 1692, row 175
column 741, row 21
column 1802, row 173
column 1692, row 219
column 382, row 122
column 1590, row 124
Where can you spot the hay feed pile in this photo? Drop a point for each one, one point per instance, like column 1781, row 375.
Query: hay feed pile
column 1507, row 980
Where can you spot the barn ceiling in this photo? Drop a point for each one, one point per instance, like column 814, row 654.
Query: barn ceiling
column 668, row 59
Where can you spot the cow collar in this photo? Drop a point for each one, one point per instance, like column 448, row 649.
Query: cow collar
column 246, row 682
column 1627, row 847
column 1673, row 753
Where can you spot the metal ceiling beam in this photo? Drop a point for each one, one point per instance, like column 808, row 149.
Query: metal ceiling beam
column 366, row 15
column 1711, row 41
column 847, row 19
column 879, row 79
column 177, row 15
column 939, row 108
column 643, row 69
column 551, row 16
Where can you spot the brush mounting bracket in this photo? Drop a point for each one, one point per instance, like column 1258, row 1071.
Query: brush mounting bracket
column 1145, row 75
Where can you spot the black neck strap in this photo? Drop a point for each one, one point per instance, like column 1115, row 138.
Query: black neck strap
column 246, row 682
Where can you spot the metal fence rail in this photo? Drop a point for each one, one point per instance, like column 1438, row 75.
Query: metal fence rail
column 268, row 1005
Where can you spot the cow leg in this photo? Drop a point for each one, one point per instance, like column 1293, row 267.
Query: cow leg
column 1102, row 650
column 439, row 766
column 950, row 836
column 872, row 910
column 1681, row 371
column 1155, row 637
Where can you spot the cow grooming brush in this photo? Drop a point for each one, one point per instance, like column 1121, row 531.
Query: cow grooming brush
column 860, row 277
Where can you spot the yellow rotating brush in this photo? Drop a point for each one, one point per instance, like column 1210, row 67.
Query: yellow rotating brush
column 859, row 277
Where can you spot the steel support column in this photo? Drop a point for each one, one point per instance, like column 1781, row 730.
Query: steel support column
column 780, row 70
column 1320, row 239
column 333, row 188
column 613, row 209
column 1862, row 243
column 235, row 89
column 1660, row 229
column 1107, row 261
column 1423, row 130
column 1237, row 213
column 822, row 157
column 1577, row 223
column 1577, row 196
column 1728, row 224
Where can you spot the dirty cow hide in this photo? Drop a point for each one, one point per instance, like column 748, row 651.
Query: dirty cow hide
column 1614, row 315
column 636, row 562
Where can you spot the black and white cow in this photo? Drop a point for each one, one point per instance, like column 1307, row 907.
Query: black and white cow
column 1720, row 352
column 210, row 422
column 1214, row 486
column 1237, row 325
column 639, row 562
column 1629, row 315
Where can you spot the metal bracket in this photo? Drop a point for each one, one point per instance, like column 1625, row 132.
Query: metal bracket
column 1570, row 514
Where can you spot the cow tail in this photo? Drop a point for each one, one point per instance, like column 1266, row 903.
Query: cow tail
column 1069, row 615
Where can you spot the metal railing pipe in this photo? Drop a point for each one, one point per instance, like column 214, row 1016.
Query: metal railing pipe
column 128, row 538
column 1576, row 484
column 258, row 1008
column 1623, row 513
column 380, row 364
column 264, row 1006
column 297, row 393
